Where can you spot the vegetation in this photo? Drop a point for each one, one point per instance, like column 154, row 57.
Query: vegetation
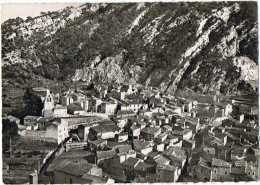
column 104, row 33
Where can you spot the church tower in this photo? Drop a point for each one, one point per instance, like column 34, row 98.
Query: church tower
column 49, row 103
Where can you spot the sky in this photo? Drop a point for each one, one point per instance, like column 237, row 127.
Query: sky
column 9, row 11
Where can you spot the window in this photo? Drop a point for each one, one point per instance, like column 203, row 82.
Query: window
column 253, row 173
column 226, row 172
column 70, row 180
column 215, row 171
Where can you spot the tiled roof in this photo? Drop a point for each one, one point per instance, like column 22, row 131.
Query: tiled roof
column 95, row 179
column 199, row 161
column 166, row 167
column 141, row 166
column 131, row 162
column 162, row 160
column 32, row 117
column 219, row 163
column 75, row 107
column 105, row 154
column 124, row 148
column 76, row 168
column 135, row 127
column 75, row 153
column 105, row 128
column 139, row 145
column 150, row 130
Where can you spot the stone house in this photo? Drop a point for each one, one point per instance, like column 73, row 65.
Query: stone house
column 150, row 133
column 199, row 169
column 167, row 173
column 31, row 120
column 220, row 170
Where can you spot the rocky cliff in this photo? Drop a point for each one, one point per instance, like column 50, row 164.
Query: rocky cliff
column 204, row 47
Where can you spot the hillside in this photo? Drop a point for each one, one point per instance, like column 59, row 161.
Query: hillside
column 204, row 47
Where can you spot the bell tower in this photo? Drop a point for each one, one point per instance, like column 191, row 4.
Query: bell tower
column 48, row 103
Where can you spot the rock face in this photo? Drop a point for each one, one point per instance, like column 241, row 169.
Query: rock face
column 204, row 47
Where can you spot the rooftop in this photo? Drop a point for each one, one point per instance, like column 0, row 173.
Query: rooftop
column 131, row 162
column 105, row 128
column 219, row 163
column 76, row 168
column 151, row 130
column 105, row 154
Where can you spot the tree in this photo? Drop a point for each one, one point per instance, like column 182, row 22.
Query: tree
column 33, row 103
column 9, row 130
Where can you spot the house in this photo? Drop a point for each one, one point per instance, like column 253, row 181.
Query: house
column 60, row 111
column 127, row 154
column 125, row 113
column 128, row 89
column 142, row 124
column 188, row 144
column 226, row 107
column 67, row 100
column 30, row 120
column 122, row 137
column 121, row 122
column 162, row 160
column 83, row 103
column 220, row 170
column 130, row 164
column 103, row 157
column 150, row 133
column 134, row 106
column 104, row 131
column 95, row 104
column 99, row 144
column 167, row 173
column 117, row 95
column 108, row 108
column 176, row 155
column 166, row 128
column 186, row 134
column 42, row 122
column 143, row 169
column 134, row 131
column 192, row 125
column 175, row 119
column 116, row 170
column 57, row 130
column 222, row 137
column 84, row 128
column 144, row 147
column 199, row 169
column 72, row 173
column 161, row 137
column 75, row 109
column 248, row 109
column 147, row 112
column 159, row 147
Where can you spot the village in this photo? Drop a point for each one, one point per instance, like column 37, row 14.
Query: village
column 129, row 133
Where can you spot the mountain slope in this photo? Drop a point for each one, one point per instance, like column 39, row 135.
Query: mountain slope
column 204, row 47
